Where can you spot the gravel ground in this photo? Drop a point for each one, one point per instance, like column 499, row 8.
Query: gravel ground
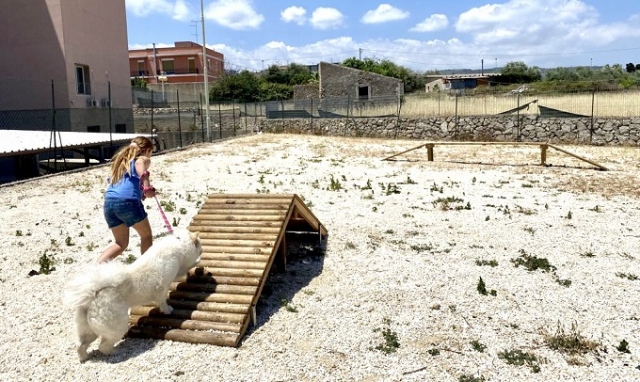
column 396, row 294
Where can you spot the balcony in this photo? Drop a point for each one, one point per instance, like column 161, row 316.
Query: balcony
column 145, row 73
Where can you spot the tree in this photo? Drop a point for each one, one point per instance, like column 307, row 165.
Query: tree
column 631, row 67
column 518, row 72
column 242, row 87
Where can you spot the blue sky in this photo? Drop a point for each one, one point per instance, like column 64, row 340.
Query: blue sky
column 418, row 34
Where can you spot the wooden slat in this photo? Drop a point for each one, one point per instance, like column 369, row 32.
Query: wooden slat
column 237, row 250
column 231, row 272
column 259, row 258
column 211, row 205
column 190, row 314
column 189, row 336
column 211, row 297
column 213, row 288
column 233, row 264
column 236, row 243
column 241, row 212
column 237, row 236
column 239, row 218
column 221, row 280
column 210, row 306
column 232, row 223
column 233, row 229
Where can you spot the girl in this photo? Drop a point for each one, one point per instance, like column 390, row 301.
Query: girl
column 128, row 186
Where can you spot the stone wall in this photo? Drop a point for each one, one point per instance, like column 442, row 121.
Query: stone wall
column 337, row 81
column 530, row 128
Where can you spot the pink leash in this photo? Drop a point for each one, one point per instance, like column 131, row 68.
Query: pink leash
column 166, row 221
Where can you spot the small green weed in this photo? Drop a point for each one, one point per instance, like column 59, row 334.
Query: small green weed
column 520, row 358
column 491, row 263
column 482, row 289
column 478, row 346
column 390, row 337
column 623, row 347
column 532, row 263
column 47, row 263
column 470, row 378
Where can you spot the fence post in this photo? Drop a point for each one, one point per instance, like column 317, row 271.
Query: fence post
column 110, row 122
column 455, row 117
column 152, row 111
column 201, row 117
column 219, row 121
column 593, row 98
column 233, row 116
column 518, row 117
column 245, row 116
column 179, row 122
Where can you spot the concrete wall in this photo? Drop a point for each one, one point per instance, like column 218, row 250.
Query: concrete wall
column 42, row 41
column 614, row 131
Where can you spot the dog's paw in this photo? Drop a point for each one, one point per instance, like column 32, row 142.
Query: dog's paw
column 82, row 354
column 166, row 309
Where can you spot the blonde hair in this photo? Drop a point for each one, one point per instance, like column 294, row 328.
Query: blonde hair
column 120, row 163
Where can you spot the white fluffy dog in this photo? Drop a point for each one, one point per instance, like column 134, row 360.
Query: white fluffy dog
column 103, row 295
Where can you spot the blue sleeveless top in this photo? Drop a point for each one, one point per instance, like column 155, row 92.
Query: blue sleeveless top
column 128, row 187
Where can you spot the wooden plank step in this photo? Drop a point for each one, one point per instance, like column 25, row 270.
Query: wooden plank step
column 237, row 243
column 239, row 218
column 177, row 323
column 234, row 257
column 212, row 338
column 230, row 223
column 210, row 306
column 245, row 206
column 237, row 250
column 214, row 288
column 211, row 297
column 220, row 280
column 190, row 314
column 231, row 272
column 238, row 236
column 233, row 264
column 242, row 212
column 249, row 198
column 230, row 229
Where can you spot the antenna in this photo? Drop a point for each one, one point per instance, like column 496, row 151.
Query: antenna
column 194, row 23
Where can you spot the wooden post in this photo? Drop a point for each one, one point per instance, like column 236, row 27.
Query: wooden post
column 430, row 152
column 543, row 155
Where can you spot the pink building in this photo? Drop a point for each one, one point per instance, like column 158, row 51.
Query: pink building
column 69, row 56
column 179, row 64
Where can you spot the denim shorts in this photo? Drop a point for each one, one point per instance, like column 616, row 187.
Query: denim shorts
column 123, row 211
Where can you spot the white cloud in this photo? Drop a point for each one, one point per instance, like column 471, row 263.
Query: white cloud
column 178, row 10
column 234, row 14
column 384, row 13
column 325, row 18
column 294, row 14
column 431, row 24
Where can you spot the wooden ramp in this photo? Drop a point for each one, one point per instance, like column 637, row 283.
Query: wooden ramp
column 242, row 236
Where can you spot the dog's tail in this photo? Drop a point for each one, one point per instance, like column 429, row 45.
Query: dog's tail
column 81, row 290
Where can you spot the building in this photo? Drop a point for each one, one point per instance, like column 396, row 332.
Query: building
column 179, row 64
column 64, row 65
column 338, row 81
column 455, row 82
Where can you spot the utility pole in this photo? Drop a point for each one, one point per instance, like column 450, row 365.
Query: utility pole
column 360, row 54
column 205, row 65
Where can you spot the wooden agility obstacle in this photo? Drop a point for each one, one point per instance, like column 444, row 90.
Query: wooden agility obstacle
column 543, row 150
column 242, row 236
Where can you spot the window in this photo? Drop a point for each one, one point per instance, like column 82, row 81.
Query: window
column 192, row 65
column 363, row 92
column 167, row 66
column 83, row 84
column 93, row 129
column 121, row 127
column 141, row 71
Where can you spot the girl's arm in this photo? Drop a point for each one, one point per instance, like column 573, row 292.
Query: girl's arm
column 142, row 165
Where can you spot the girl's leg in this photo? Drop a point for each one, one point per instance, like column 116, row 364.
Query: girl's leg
column 121, row 235
column 143, row 229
